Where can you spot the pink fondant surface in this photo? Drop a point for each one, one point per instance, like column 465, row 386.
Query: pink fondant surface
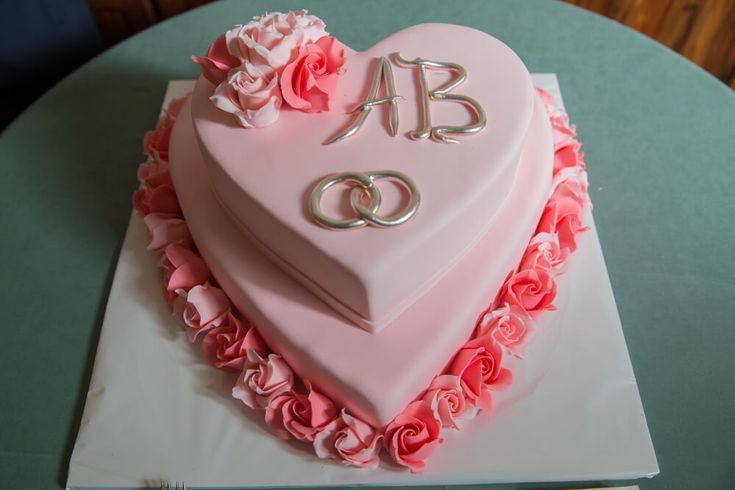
column 264, row 176
column 345, row 362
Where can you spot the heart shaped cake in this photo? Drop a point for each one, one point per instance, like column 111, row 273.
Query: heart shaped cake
column 365, row 237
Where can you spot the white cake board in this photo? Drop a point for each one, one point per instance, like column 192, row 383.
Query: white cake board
column 157, row 412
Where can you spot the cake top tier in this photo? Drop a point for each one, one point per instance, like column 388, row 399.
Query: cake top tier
column 264, row 176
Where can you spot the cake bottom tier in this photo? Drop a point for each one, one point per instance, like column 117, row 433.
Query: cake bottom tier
column 374, row 376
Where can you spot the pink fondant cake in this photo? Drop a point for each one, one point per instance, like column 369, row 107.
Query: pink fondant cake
column 452, row 192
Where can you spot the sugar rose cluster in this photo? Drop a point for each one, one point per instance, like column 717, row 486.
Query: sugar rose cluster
column 275, row 60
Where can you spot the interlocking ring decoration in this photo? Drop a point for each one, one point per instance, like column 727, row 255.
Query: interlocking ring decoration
column 363, row 184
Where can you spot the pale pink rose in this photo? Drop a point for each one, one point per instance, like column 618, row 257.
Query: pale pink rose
column 446, row 399
column 299, row 415
column 563, row 216
column 182, row 270
column 567, row 154
column 164, row 230
column 154, row 172
column 202, row 308
column 217, row 62
column 531, row 290
column 226, row 347
column 309, row 80
column 478, row 364
column 252, row 98
column 543, row 252
column 161, row 199
column 571, row 182
column 350, row 441
column 413, row 435
column 507, row 326
column 262, row 379
column 269, row 42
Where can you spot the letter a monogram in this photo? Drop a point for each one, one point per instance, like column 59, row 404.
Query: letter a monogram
column 383, row 71
column 440, row 133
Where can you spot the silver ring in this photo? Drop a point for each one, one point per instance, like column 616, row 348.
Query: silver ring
column 365, row 184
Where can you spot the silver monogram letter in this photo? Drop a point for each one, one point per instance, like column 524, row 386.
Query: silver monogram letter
column 383, row 71
column 439, row 133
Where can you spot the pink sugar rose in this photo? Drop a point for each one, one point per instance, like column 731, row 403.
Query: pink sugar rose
column 309, row 80
column 226, row 347
column 164, row 230
column 271, row 41
column 262, row 379
column 563, row 216
column 202, row 308
column 413, row 435
column 350, row 441
column 506, row 325
column 182, row 270
column 155, row 142
column 446, row 399
column 217, row 62
column 161, row 199
column 561, row 130
column 543, row 252
column 478, row 366
column 299, row 415
column 174, row 108
column 571, row 182
column 531, row 290
column 154, row 172
column 567, row 154
column 546, row 98
column 252, row 98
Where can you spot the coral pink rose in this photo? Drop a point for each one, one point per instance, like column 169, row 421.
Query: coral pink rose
column 154, row 172
column 269, row 42
column 161, row 199
column 217, row 62
column 299, row 415
column 543, row 252
column 531, row 290
column 567, row 154
column 563, row 216
column 560, row 127
column 546, row 99
column 202, row 308
column 262, row 379
column 226, row 347
column 182, row 270
column 252, row 98
column 413, row 435
column 309, row 80
column 350, row 441
column 164, row 230
column 174, row 108
column 446, row 399
column 506, row 325
column 478, row 366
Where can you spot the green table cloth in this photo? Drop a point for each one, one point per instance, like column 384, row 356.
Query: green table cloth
column 659, row 138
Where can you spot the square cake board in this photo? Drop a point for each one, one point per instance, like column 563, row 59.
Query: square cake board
column 157, row 412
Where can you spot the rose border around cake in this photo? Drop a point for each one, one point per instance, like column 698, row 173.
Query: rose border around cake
column 292, row 408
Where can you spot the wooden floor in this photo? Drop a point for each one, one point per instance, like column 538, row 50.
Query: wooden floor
column 701, row 30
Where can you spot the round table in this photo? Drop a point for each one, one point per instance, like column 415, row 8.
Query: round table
column 659, row 138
